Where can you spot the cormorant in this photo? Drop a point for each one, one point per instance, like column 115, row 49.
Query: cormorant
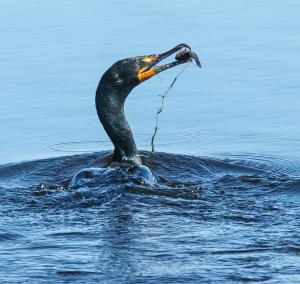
column 113, row 89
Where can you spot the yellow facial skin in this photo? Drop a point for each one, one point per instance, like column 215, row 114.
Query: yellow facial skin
column 150, row 59
column 142, row 76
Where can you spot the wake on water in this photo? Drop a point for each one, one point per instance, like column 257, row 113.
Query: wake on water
column 234, row 216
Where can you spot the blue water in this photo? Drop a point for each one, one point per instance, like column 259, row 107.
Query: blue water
column 226, row 205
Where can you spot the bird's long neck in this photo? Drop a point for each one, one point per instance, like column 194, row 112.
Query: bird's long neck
column 110, row 109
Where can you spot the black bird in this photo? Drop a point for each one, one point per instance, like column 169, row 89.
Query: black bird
column 113, row 89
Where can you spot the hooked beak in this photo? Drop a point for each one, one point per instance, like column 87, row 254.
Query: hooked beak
column 151, row 70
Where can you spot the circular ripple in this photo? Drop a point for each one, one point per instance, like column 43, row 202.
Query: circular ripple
column 80, row 146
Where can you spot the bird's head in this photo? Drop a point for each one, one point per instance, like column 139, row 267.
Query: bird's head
column 130, row 72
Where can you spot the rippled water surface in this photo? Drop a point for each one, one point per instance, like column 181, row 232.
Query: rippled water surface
column 219, row 200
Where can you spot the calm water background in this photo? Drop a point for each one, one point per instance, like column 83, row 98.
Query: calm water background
column 243, row 106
